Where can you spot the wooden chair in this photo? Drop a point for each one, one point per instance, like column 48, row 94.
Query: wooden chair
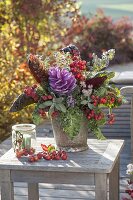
column 129, row 90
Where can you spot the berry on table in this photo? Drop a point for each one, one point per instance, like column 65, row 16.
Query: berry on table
column 49, row 153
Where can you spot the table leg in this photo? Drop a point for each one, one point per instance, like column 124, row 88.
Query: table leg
column 114, row 182
column 101, row 186
column 33, row 191
column 7, row 192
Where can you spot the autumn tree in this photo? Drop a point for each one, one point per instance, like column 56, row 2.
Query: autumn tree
column 37, row 27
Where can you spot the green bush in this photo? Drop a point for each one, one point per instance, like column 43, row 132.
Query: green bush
column 100, row 33
column 26, row 26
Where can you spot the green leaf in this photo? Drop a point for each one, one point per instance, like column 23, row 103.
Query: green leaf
column 45, row 104
column 70, row 121
column 124, row 100
column 84, row 102
column 100, row 91
column 36, row 118
column 110, row 74
column 62, row 107
column 90, row 106
column 98, row 134
column 58, row 100
column 57, row 106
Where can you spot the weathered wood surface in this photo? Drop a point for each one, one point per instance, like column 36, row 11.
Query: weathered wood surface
column 114, row 182
column 101, row 186
column 99, row 155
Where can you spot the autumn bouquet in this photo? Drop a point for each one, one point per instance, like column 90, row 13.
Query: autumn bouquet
column 68, row 88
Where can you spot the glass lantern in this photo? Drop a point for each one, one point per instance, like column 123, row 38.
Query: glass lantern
column 23, row 136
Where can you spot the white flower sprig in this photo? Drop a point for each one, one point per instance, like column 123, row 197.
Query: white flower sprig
column 129, row 170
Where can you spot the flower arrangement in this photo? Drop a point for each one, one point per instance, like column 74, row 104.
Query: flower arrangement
column 69, row 87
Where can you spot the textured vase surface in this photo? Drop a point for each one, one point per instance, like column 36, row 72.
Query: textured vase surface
column 63, row 141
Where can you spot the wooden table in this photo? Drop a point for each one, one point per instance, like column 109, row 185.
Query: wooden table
column 91, row 167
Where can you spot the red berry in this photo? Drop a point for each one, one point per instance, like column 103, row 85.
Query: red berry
column 49, row 97
column 25, row 152
column 82, row 78
column 44, row 155
column 31, row 151
column 44, row 97
column 89, row 117
column 47, row 157
column 57, row 157
column 93, row 97
column 36, row 158
column 92, row 112
column 75, row 58
column 103, row 100
column 31, row 159
column 64, row 156
column 55, row 114
column 112, row 99
column 95, row 103
column 54, row 153
column 42, row 113
column 18, row 154
column 78, row 76
column 39, row 155
column 119, row 100
column 74, row 70
column 72, row 65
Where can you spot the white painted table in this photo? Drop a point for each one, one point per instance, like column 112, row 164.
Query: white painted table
column 91, row 167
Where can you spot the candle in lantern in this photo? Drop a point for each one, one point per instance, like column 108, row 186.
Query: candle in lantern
column 26, row 141
column 23, row 136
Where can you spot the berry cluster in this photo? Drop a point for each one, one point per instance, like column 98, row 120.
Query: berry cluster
column 55, row 114
column 24, row 152
column 47, row 97
column 108, row 100
column 96, row 116
column 31, row 91
column 42, row 113
column 98, row 100
column 77, row 67
column 49, row 153
column 111, row 118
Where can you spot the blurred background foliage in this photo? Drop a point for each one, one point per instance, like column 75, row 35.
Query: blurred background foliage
column 100, row 33
column 36, row 27
column 42, row 26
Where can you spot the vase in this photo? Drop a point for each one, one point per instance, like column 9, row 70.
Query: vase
column 64, row 142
